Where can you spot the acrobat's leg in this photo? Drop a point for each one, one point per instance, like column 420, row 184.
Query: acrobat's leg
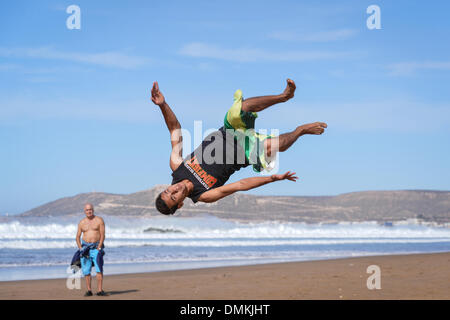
column 285, row 140
column 257, row 104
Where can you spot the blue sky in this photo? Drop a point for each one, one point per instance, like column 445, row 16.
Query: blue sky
column 75, row 113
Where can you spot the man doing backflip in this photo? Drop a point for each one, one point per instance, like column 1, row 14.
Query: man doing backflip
column 201, row 176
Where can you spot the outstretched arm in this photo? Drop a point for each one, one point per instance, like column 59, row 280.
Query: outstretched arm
column 176, row 138
column 244, row 185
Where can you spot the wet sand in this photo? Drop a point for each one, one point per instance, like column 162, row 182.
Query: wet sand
column 416, row 276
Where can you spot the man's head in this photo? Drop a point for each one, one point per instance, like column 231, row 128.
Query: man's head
column 89, row 210
column 172, row 198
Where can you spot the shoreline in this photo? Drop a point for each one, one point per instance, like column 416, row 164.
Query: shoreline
column 62, row 271
column 408, row 276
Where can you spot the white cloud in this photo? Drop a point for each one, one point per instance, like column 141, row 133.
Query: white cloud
column 383, row 115
column 106, row 59
column 409, row 68
column 246, row 54
column 322, row 36
column 18, row 108
column 396, row 115
column 23, row 69
column 8, row 67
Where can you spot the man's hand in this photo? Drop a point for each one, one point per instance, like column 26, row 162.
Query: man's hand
column 243, row 185
column 288, row 175
column 157, row 96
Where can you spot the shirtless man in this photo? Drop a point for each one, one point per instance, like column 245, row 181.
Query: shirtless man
column 201, row 179
column 93, row 229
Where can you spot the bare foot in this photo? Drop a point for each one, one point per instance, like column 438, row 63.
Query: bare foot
column 313, row 128
column 288, row 93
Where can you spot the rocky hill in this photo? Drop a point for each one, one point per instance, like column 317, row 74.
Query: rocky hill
column 382, row 206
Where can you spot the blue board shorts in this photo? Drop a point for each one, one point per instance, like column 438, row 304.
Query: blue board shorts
column 95, row 259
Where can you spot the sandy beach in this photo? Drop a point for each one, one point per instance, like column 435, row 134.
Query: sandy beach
column 416, row 276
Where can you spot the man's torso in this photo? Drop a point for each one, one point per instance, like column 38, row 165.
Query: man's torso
column 91, row 229
column 212, row 163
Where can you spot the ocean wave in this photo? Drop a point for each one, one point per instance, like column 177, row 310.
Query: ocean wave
column 188, row 228
column 64, row 244
column 253, row 257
